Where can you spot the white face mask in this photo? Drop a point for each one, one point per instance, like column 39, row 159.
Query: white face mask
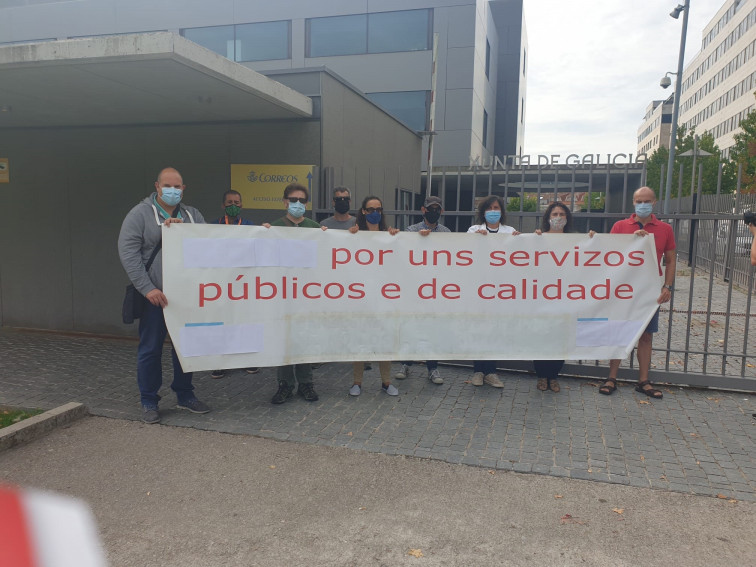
column 558, row 223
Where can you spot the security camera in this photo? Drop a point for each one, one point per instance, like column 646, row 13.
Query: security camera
column 665, row 82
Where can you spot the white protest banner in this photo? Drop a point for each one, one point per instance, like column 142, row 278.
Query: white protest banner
column 248, row 296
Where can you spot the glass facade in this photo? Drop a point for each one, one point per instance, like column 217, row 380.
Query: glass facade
column 488, row 60
column 217, row 38
column 382, row 32
column 399, row 31
column 245, row 42
column 340, row 35
column 263, row 42
column 411, row 107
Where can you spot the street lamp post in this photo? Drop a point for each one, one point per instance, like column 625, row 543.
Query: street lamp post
column 676, row 107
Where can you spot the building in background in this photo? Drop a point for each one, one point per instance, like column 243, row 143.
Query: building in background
column 718, row 84
column 656, row 127
column 383, row 47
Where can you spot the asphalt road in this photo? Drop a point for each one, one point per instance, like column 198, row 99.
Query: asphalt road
column 166, row 496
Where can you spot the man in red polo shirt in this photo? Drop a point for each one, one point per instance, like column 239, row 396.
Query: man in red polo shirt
column 642, row 223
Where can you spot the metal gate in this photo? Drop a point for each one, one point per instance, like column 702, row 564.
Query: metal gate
column 703, row 337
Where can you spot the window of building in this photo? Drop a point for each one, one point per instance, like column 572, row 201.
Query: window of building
column 339, row 35
column 411, row 107
column 522, row 111
column 381, row 32
column 264, row 41
column 488, row 59
column 524, row 61
column 485, row 129
column 245, row 42
column 217, row 38
column 409, row 30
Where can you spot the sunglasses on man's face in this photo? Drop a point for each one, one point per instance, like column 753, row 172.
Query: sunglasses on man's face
column 302, row 200
column 374, row 209
column 342, row 199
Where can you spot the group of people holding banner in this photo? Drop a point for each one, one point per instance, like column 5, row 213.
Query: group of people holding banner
column 140, row 238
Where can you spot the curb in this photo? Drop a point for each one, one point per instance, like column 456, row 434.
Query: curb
column 39, row 425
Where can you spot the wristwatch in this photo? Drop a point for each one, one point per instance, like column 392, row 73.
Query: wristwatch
column 671, row 288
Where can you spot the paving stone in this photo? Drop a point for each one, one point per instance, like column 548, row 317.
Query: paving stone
column 516, row 428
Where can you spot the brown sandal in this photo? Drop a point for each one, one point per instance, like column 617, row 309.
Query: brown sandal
column 650, row 392
column 542, row 384
column 608, row 388
column 554, row 385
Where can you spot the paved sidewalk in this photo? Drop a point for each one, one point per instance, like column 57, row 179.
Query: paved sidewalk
column 693, row 441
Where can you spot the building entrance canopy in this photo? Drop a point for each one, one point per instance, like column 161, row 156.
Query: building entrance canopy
column 152, row 78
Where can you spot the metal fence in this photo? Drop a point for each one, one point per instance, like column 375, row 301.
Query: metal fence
column 703, row 337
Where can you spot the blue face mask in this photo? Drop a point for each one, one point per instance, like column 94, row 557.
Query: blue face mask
column 493, row 216
column 643, row 210
column 171, row 196
column 373, row 218
column 296, row 209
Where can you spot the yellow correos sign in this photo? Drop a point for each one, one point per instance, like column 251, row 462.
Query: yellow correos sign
column 262, row 185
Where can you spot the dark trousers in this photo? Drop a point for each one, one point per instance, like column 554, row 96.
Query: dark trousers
column 485, row 366
column 548, row 368
column 293, row 373
column 152, row 332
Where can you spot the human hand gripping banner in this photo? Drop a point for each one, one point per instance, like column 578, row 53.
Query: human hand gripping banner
column 246, row 296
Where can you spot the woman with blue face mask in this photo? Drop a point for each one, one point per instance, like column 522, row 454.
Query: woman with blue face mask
column 491, row 217
column 370, row 217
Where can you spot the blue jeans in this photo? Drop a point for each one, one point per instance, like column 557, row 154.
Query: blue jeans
column 152, row 332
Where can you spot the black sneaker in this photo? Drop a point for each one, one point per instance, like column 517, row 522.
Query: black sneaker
column 285, row 392
column 307, row 392
column 193, row 405
column 150, row 414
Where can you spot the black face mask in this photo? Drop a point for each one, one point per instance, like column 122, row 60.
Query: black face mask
column 341, row 206
column 431, row 216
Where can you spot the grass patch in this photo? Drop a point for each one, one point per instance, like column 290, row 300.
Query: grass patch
column 9, row 416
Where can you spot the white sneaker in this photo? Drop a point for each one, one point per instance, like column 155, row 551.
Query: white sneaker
column 493, row 380
column 477, row 379
column 435, row 376
column 355, row 390
column 402, row 373
column 390, row 390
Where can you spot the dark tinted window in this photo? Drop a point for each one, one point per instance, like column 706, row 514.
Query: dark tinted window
column 218, row 38
column 381, row 32
column 262, row 42
column 411, row 107
column 399, row 31
column 340, row 35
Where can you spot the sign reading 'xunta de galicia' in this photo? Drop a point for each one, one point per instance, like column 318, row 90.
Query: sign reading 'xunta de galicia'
column 262, row 185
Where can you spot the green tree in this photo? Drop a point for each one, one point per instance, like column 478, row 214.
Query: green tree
column 685, row 142
column 529, row 205
column 743, row 153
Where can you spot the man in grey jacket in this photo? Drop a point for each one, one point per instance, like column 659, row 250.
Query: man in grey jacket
column 141, row 235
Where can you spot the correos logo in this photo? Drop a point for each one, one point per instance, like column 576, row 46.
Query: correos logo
column 267, row 178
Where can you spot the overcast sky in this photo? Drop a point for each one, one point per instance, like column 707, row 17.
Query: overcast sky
column 595, row 65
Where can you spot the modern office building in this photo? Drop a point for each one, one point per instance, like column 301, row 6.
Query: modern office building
column 86, row 125
column 656, row 127
column 718, row 84
column 472, row 107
